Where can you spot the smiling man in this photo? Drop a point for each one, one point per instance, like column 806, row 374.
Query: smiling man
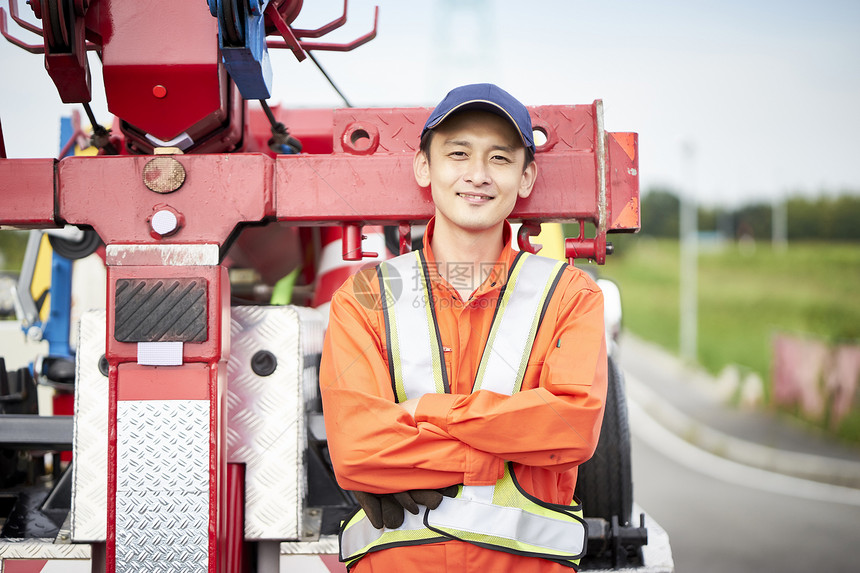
column 463, row 384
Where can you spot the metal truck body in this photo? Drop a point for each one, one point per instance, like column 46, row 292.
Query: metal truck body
column 196, row 429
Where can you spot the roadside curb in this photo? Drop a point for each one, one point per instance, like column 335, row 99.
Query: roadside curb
column 823, row 469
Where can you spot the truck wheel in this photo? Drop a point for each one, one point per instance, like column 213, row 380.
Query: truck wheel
column 75, row 250
column 605, row 483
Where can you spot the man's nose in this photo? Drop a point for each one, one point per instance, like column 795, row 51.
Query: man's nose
column 477, row 172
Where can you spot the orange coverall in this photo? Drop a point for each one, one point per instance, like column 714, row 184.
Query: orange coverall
column 547, row 429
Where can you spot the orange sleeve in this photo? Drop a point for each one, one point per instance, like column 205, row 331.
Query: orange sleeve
column 375, row 445
column 554, row 421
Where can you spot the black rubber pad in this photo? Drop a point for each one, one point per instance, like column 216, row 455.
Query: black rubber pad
column 161, row 310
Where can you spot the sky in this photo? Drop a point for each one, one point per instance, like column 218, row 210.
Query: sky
column 763, row 95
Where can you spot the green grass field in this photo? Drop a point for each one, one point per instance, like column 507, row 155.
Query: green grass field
column 745, row 297
column 12, row 246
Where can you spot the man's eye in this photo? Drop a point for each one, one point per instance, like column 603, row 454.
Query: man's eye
column 457, row 154
column 501, row 158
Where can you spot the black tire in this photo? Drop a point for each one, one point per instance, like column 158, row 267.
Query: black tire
column 605, row 482
column 75, row 250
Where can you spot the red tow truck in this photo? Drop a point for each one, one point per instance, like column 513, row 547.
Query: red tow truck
column 186, row 431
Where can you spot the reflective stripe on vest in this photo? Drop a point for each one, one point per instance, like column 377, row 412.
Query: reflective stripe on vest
column 509, row 344
column 482, row 515
column 503, row 516
column 410, row 322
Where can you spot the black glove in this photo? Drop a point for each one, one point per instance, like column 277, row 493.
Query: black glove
column 429, row 497
column 387, row 509
column 380, row 509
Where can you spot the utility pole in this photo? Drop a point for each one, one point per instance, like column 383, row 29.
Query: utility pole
column 779, row 225
column 689, row 229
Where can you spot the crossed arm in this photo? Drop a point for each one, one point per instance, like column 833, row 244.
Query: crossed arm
column 437, row 440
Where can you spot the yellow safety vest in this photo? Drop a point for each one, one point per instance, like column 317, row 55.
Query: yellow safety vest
column 503, row 516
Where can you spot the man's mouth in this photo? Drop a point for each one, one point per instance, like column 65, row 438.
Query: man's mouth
column 475, row 197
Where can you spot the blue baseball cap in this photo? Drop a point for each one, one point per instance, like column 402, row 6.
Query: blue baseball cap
column 486, row 97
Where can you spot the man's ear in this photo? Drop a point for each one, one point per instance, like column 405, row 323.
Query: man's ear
column 527, row 182
column 421, row 168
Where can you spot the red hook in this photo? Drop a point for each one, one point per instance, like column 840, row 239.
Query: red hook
column 528, row 230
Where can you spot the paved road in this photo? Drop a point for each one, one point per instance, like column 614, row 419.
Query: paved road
column 722, row 517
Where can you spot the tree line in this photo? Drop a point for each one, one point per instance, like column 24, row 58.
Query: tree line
column 831, row 218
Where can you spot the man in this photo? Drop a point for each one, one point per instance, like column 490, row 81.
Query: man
column 465, row 364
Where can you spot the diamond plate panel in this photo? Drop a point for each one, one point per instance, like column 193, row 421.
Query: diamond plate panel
column 163, row 445
column 42, row 549
column 313, row 324
column 89, row 472
column 162, row 513
column 266, row 422
column 326, row 544
column 163, row 533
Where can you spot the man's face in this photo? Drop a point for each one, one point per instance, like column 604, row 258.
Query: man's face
column 475, row 170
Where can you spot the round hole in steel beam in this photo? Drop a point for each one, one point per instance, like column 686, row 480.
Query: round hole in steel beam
column 360, row 139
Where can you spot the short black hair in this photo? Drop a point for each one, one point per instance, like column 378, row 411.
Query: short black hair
column 424, row 147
